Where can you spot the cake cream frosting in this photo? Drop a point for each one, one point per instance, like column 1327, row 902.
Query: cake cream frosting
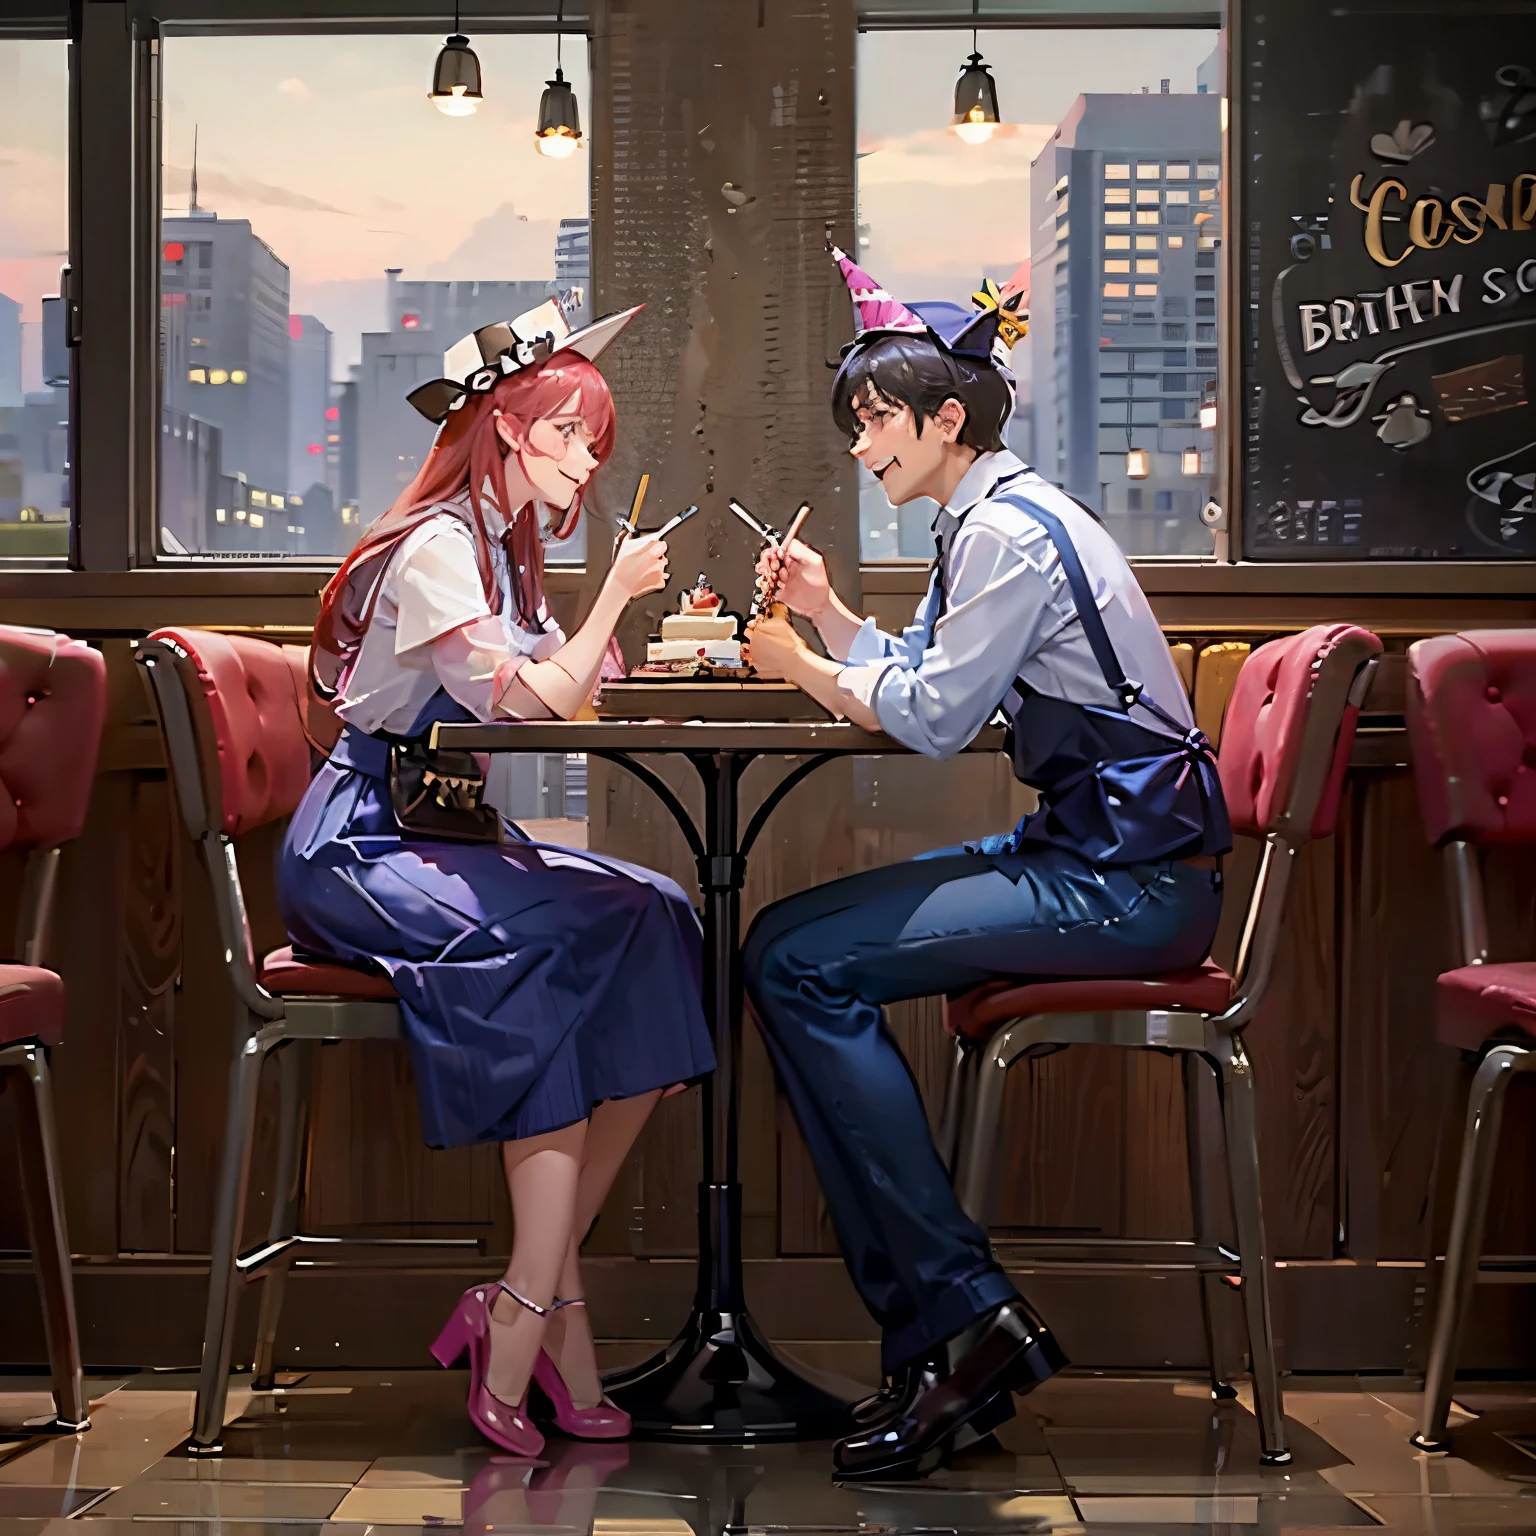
column 700, row 631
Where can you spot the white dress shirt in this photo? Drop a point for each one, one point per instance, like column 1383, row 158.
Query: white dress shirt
column 1009, row 614
column 431, row 588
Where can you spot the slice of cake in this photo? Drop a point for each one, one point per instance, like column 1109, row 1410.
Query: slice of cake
column 700, row 631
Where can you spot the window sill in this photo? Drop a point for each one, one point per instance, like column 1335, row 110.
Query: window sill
column 136, row 602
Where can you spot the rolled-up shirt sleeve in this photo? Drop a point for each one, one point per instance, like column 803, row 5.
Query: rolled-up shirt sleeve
column 872, row 651
column 936, row 701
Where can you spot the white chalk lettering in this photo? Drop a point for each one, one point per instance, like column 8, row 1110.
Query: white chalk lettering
column 1314, row 332
column 1450, row 297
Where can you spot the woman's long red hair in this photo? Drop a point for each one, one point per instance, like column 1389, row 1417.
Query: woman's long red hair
column 468, row 455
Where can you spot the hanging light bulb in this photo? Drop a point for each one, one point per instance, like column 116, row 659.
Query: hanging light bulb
column 1138, row 463
column 1189, row 461
column 456, row 76
column 976, row 116
column 559, row 132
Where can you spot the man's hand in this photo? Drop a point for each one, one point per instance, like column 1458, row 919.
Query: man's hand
column 774, row 647
column 803, row 586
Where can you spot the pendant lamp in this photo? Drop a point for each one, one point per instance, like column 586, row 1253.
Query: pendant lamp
column 559, row 132
column 456, row 76
column 1138, row 463
column 976, row 116
column 1189, row 461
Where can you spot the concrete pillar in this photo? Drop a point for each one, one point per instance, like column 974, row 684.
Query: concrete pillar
column 722, row 147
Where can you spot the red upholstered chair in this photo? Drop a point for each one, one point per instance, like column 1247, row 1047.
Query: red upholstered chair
column 1472, row 726
column 234, row 710
column 53, row 698
column 1284, row 748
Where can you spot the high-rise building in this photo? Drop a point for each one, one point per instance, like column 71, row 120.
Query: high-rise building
column 309, row 395
column 224, row 357
column 1125, row 201
column 10, row 352
column 573, row 265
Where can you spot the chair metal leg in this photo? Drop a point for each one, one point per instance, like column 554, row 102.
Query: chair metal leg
column 228, row 1220
column 1485, row 1112
column 296, row 1061
column 27, row 1067
column 1239, row 1106
column 979, row 1141
column 962, row 1067
column 1210, row 1210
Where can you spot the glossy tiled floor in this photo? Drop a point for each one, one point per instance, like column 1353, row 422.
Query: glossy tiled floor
column 340, row 1453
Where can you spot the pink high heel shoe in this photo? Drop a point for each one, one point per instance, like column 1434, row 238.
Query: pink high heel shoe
column 604, row 1421
column 469, row 1328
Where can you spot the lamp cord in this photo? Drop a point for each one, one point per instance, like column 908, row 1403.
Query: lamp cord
column 559, row 35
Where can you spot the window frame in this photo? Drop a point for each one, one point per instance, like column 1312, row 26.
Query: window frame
column 105, row 576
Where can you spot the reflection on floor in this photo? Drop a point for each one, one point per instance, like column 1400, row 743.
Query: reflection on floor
column 342, row 1452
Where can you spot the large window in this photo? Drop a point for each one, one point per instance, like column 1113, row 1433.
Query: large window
column 34, row 239
column 326, row 235
column 1103, row 186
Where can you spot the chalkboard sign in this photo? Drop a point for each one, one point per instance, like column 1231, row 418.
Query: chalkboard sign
column 1388, row 296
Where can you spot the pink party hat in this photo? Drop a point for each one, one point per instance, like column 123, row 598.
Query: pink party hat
column 874, row 309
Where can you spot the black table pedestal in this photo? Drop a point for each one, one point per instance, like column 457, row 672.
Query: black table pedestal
column 720, row 1380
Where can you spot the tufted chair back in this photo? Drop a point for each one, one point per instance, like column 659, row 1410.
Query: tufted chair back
column 246, row 702
column 1289, row 730
column 53, row 699
column 1472, row 725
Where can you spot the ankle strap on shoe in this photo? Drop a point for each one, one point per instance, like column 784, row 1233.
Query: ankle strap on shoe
column 523, row 1301
column 571, row 1301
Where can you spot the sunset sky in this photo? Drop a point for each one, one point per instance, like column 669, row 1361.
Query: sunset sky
column 330, row 148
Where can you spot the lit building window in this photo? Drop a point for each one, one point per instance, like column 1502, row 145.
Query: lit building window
column 275, row 502
column 1147, row 217
column 257, row 520
column 1146, row 290
column 237, row 376
column 197, row 375
column 1148, row 170
column 1152, row 195
column 1175, row 242
column 220, row 515
column 218, row 376
column 1117, row 172
column 1208, row 194
column 1178, row 170
column 1117, row 242
column 258, row 498
column 1210, row 170
column 1146, row 242
column 1118, row 218
column 1113, row 195
column 1146, row 264
column 1117, row 290
column 1117, row 266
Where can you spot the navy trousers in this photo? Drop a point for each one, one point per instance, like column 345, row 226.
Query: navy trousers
column 819, row 967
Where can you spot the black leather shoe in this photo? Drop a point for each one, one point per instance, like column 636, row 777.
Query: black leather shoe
column 881, row 1405
column 965, row 1386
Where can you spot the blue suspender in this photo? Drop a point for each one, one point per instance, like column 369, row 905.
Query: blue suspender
column 1126, row 691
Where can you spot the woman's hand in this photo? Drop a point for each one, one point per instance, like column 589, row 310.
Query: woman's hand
column 639, row 566
column 774, row 646
column 804, row 587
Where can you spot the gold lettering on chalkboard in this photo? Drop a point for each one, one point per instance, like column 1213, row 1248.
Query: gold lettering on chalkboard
column 1430, row 227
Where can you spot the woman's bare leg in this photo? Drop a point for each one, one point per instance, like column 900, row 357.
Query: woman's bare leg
column 543, row 1174
column 611, row 1133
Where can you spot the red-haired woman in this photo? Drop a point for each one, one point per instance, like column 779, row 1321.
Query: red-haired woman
column 549, row 997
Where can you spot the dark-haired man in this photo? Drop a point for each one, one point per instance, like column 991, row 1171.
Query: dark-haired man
column 1031, row 610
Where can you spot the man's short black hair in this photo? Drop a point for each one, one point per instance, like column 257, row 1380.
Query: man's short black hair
column 914, row 371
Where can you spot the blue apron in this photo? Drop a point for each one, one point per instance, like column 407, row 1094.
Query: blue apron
column 1111, row 789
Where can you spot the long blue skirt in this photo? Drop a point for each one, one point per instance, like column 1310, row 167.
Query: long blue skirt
column 535, row 981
